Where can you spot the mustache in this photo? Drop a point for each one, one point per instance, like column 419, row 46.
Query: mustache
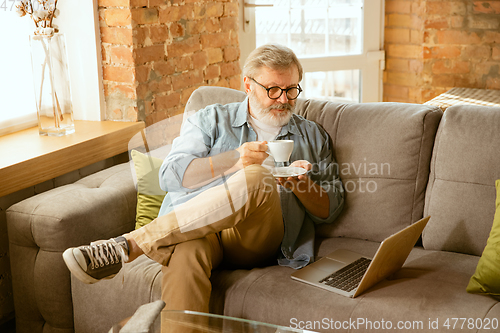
column 280, row 106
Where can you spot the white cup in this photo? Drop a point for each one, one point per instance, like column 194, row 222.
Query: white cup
column 281, row 150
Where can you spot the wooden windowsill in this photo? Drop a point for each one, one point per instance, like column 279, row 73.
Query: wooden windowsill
column 29, row 159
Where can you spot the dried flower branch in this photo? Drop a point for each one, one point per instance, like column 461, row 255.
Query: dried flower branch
column 43, row 16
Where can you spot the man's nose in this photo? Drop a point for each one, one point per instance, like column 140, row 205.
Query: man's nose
column 283, row 99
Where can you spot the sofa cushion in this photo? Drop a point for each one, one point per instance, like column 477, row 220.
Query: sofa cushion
column 485, row 280
column 149, row 194
column 429, row 287
column 383, row 152
column 461, row 191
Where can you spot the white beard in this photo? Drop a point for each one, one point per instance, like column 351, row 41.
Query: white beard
column 266, row 115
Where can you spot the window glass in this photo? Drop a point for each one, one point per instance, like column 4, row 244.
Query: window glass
column 335, row 86
column 312, row 27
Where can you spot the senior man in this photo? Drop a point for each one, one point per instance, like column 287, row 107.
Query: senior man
column 223, row 205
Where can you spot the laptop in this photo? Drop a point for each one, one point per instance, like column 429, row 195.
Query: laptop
column 349, row 274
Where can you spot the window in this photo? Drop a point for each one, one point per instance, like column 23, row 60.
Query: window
column 77, row 20
column 338, row 42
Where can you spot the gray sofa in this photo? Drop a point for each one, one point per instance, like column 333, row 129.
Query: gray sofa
column 399, row 162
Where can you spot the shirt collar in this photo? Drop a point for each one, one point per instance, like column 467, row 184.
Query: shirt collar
column 242, row 116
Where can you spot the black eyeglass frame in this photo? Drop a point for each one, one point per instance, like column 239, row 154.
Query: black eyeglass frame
column 281, row 93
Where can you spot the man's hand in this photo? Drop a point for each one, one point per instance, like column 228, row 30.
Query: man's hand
column 294, row 182
column 312, row 196
column 252, row 153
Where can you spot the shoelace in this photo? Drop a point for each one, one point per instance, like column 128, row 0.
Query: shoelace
column 99, row 258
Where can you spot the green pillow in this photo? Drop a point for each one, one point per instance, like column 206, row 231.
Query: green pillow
column 149, row 194
column 485, row 280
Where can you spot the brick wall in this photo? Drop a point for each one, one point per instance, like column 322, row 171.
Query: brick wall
column 156, row 52
column 435, row 45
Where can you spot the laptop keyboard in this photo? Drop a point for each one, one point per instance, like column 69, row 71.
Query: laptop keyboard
column 347, row 278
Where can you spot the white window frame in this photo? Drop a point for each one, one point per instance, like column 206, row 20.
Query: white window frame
column 371, row 62
column 79, row 21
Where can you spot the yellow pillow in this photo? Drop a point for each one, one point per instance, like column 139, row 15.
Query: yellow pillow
column 485, row 280
column 149, row 194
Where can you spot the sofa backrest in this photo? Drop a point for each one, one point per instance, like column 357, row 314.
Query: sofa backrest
column 460, row 195
column 383, row 151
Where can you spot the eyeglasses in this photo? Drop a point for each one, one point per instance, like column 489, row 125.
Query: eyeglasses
column 276, row 92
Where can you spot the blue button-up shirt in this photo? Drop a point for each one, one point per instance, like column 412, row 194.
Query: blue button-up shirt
column 220, row 128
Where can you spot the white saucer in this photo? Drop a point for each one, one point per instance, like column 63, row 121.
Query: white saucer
column 284, row 172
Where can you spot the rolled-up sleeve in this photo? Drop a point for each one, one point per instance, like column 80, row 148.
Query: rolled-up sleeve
column 193, row 142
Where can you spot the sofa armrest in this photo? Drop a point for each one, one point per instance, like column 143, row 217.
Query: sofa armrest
column 40, row 228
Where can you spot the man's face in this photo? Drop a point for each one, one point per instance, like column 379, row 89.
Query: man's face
column 275, row 112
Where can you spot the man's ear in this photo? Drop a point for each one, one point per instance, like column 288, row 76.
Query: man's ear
column 246, row 83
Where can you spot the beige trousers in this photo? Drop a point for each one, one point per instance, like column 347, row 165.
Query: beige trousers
column 239, row 222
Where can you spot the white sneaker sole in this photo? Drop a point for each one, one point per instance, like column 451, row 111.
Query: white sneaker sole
column 75, row 268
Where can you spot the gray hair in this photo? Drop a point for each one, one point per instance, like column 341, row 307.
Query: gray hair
column 273, row 56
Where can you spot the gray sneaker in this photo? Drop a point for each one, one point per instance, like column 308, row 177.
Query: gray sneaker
column 97, row 261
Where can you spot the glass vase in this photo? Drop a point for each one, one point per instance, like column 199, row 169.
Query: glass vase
column 51, row 82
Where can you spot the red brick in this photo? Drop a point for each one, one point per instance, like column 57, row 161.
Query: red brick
column 457, row 21
column 122, row 36
column 141, row 35
column 138, row 3
column 118, row 74
column 149, row 53
column 397, row 35
column 229, row 23
column 230, row 69
column 436, row 23
column 402, row 79
column 235, row 82
column 212, row 25
column 491, row 37
column 164, row 68
column 183, row 64
column 117, row 17
column 158, row 33
column 404, row 51
column 400, row 7
column 215, row 40
column 231, row 9
column 214, row 9
column 128, row 91
column 482, row 22
column 145, row 15
column 450, row 67
column 477, row 52
column 214, row 55
column 397, row 65
column 180, row 48
column 195, row 27
column 397, row 91
column 442, row 52
column 493, row 83
column 487, row 7
column 143, row 91
column 187, row 79
column 416, row 66
column 200, row 60
column 399, row 20
column 142, row 73
column 167, row 101
column 175, row 13
column 495, row 53
column 113, row 3
column 231, row 53
column 457, row 37
column 212, row 72
column 448, row 7
column 121, row 55
column 177, row 30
